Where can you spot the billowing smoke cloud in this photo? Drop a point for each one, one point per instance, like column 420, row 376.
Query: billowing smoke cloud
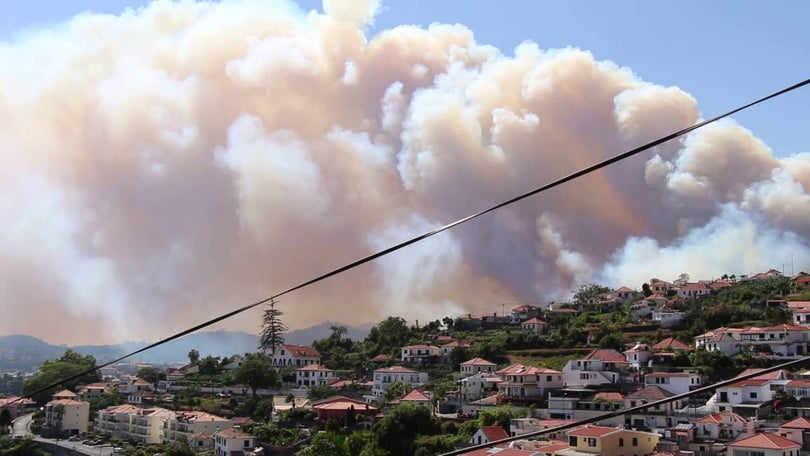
column 172, row 163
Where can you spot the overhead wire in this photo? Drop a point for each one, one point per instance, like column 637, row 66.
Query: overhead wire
column 418, row 238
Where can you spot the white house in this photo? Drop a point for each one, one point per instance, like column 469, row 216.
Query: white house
column 296, row 356
column 667, row 319
column 488, row 434
column 448, row 348
column 674, row 382
column 637, row 356
column 230, row 442
column 383, row 378
column 527, row 382
column 479, row 386
column 654, row 417
column 112, row 421
column 185, row 424
column 795, row 429
column 780, row 340
column 748, row 395
column 476, row 366
column 420, row 353
column 798, row 388
column 146, row 425
column 67, row 416
column 694, row 290
column 534, row 326
column 599, row 367
column 314, row 375
column 721, row 426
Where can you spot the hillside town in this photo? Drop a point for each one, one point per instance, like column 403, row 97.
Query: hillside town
column 474, row 379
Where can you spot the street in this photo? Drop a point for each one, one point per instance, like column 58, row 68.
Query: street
column 20, row 427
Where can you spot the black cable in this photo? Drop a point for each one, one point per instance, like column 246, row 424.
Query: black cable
column 621, row 412
column 421, row 237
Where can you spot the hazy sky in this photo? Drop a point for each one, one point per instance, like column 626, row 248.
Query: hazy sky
column 168, row 163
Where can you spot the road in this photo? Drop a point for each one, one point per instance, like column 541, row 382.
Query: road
column 20, row 427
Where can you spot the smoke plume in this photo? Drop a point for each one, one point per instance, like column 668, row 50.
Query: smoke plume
column 172, row 163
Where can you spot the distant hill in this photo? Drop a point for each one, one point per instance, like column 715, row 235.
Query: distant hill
column 20, row 352
column 26, row 353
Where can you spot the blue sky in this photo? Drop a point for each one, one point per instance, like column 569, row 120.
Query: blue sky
column 723, row 52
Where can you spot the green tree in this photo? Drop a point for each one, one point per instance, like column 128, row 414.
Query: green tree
column 24, row 447
column 5, row 419
column 256, row 371
column 80, row 369
column 151, row 375
column 499, row 415
column 645, row 288
column 107, row 399
column 179, row 448
column 459, row 355
column 587, row 295
column 326, row 443
column 288, row 374
column 318, row 392
column 210, row 365
column 272, row 335
column 263, row 410
column 390, row 334
column 396, row 390
column 396, row 433
column 193, row 356
column 612, row 340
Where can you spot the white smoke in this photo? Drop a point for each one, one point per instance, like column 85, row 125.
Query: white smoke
column 175, row 162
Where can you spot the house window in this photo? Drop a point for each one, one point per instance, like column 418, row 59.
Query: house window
column 572, row 441
column 753, row 395
column 621, row 442
column 635, row 441
column 591, row 442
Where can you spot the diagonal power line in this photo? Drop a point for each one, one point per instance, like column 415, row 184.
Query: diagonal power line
column 421, row 237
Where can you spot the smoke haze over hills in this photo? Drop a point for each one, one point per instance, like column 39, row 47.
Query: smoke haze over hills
column 175, row 162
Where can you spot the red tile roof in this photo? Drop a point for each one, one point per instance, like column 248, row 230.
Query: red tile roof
column 315, row 367
column 606, row 354
column 592, row 431
column 534, row 321
column 493, row 433
column 651, row 393
column 780, row 374
column 414, row 396
column 718, row 418
column 520, row 369
column 799, row 423
column 421, row 347
column 766, row 441
column 671, row 343
column 609, row 396
column 396, row 369
column 477, row 362
column 303, row 351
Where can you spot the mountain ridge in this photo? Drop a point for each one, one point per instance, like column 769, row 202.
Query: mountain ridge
column 26, row 353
